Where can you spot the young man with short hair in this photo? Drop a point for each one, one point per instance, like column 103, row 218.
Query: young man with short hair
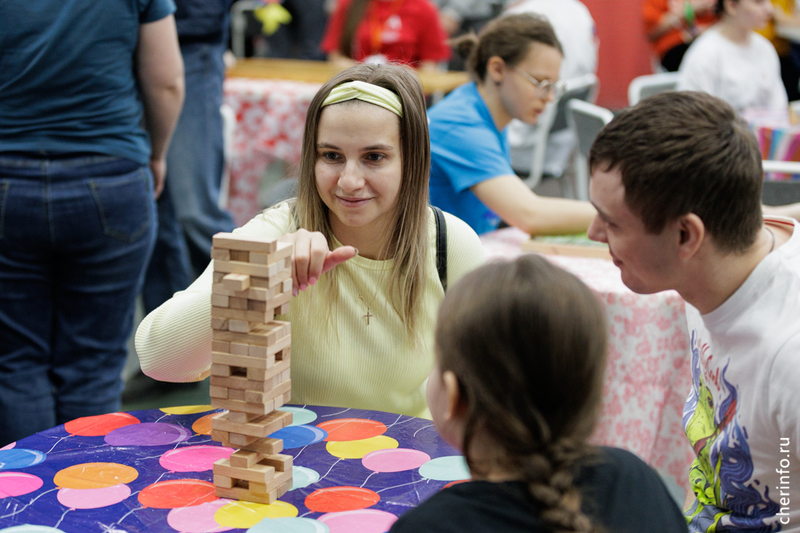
column 676, row 181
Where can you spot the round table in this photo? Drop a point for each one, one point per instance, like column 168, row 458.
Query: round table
column 152, row 471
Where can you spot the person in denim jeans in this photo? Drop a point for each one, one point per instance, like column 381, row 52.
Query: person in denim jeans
column 188, row 211
column 78, row 179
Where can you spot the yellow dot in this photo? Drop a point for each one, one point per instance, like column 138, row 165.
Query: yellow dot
column 357, row 449
column 245, row 515
column 94, row 476
column 187, row 409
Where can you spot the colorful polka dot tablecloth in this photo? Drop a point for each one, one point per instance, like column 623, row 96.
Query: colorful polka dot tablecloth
column 648, row 375
column 354, row 471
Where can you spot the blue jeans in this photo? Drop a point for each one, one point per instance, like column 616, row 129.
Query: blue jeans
column 194, row 172
column 75, row 237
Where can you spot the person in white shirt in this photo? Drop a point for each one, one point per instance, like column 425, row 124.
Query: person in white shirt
column 733, row 62
column 676, row 181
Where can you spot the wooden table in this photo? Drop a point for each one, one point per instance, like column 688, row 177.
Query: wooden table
column 322, row 71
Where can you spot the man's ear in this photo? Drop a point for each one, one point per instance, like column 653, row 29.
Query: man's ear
column 455, row 400
column 496, row 69
column 691, row 234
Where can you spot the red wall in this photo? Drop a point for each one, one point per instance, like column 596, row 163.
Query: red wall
column 624, row 51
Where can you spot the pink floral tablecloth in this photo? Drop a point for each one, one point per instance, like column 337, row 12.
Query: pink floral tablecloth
column 270, row 116
column 647, row 376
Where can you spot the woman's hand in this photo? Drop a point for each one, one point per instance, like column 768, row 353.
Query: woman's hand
column 311, row 257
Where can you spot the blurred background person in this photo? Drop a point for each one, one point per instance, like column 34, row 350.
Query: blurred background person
column 577, row 34
column 78, row 177
column 733, row 62
column 380, row 31
column 672, row 25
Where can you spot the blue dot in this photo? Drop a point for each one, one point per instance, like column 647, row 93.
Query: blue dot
column 17, row 458
column 300, row 416
column 299, row 436
column 289, row 525
column 450, row 468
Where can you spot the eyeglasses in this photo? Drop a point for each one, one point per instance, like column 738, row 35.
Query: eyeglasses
column 546, row 87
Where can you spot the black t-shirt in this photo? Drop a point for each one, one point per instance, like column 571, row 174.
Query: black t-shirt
column 620, row 493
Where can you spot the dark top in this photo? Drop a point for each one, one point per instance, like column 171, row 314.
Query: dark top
column 202, row 20
column 620, row 493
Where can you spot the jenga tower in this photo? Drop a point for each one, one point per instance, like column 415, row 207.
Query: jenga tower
column 250, row 361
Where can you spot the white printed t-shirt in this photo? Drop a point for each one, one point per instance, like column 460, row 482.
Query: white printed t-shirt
column 742, row 416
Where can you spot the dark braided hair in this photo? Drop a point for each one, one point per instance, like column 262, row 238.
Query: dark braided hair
column 527, row 342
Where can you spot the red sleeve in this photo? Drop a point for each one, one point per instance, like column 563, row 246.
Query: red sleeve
column 432, row 37
column 333, row 31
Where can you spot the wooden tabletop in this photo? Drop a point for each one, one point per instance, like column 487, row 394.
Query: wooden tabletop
column 322, row 71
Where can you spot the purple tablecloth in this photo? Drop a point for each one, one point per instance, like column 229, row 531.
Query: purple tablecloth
column 151, row 471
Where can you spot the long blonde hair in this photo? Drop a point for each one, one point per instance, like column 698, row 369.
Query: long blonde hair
column 407, row 242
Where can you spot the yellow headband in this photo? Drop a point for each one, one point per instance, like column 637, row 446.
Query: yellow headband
column 367, row 92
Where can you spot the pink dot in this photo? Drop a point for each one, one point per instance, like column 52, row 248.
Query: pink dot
column 197, row 519
column 16, row 484
column 395, row 460
column 194, row 458
column 361, row 521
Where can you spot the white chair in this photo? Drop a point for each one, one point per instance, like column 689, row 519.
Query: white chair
column 553, row 119
column 228, row 127
column 650, row 84
column 585, row 120
column 239, row 24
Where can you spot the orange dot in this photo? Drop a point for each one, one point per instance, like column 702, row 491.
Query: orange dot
column 94, row 476
column 335, row 499
column 344, row 429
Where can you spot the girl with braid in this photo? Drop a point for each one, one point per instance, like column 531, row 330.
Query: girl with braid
column 520, row 351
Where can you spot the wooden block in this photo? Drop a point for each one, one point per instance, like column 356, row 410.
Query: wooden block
column 241, row 418
column 220, row 254
column 238, row 348
column 234, row 394
column 254, row 293
column 242, row 361
column 251, row 269
column 240, row 255
column 220, row 370
column 236, row 405
column 233, row 280
column 241, row 314
column 238, row 440
column 243, row 494
column 282, row 310
column 262, row 335
column 281, row 463
column 258, row 374
column 241, row 326
column 259, row 428
column 271, row 378
column 223, row 482
column 263, row 397
column 220, row 300
column 265, row 446
column 258, row 488
column 258, row 472
column 235, row 241
column 220, row 324
column 220, row 346
column 245, row 459
column 272, row 281
column 217, row 392
column 217, row 277
column 236, row 303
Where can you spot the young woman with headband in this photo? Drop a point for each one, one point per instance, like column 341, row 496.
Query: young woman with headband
column 362, row 332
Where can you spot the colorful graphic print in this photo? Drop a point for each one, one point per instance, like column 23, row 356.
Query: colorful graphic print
column 728, row 499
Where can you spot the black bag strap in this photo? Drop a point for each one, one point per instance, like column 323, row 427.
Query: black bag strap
column 441, row 246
